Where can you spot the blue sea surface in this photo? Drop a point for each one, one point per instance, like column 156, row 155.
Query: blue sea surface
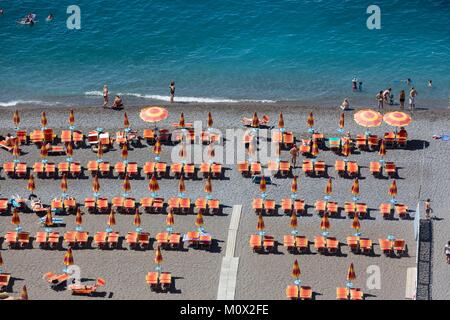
column 223, row 50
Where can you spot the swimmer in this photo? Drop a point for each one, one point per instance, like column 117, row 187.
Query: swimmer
column 354, row 83
column 430, row 83
column 360, row 86
column 1, row 11
column 50, row 17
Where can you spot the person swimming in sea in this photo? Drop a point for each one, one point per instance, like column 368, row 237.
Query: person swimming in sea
column 430, row 83
column 354, row 84
column 360, row 86
column 172, row 91
column 50, row 17
column 1, row 11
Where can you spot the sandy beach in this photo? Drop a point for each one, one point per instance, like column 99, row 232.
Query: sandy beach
column 260, row 276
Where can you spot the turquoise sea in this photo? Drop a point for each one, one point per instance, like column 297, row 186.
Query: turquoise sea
column 223, row 50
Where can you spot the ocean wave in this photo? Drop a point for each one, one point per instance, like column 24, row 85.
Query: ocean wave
column 192, row 99
column 36, row 102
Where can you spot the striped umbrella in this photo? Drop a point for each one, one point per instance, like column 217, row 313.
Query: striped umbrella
column 296, row 270
column 99, row 151
column 355, row 224
column 260, row 225
column 69, row 149
column 382, row 151
column 44, row 151
column 393, row 189
column 111, row 218
column 397, row 119
column 124, row 152
column 126, row 122
column 153, row 185
column 294, row 221
column 346, row 148
column 199, row 220
column 342, row 120
column 355, row 187
column 43, row 119
column 170, row 221
column 68, row 257
column 48, row 218
column 79, row 217
column 71, row 118
column 325, row 223
column 63, row 184
column 137, row 218
column 15, row 219
column 262, row 184
column 310, row 120
column 351, row 275
column 181, row 185
column 157, row 147
column 95, row 184
column 158, row 256
column 294, row 185
column 281, row 121
column 208, row 185
column 182, row 122
column 315, row 148
column 368, row 118
column 31, row 186
column 329, row 187
column 210, row 120
column 16, row 149
column 24, row 293
column 126, row 186
column 153, row 114
column 255, row 120
column 16, row 118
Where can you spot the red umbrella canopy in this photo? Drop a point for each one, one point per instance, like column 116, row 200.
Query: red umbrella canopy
column 351, row 275
column 294, row 221
column 15, row 219
column 393, row 189
column 325, row 223
column 169, row 219
column 78, row 217
column 137, row 218
column 296, row 270
column 368, row 118
column 68, row 257
column 355, row 187
column 199, row 220
column 158, row 256
column 153, row 114
column 31, row 186
column 329, row 187
column 71, row 118
column 294, row 185
column 355, row 224
column 153, row 185
column 397, row 119
column 260, row 226
column 262, row 184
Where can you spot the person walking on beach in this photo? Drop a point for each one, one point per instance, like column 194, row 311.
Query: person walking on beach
column 412, row 99
column 447, row 251
column 380, row 100
column 294, row 153
column 402, row 98
column 172, row 91
column 105, row 96
column 428, row 210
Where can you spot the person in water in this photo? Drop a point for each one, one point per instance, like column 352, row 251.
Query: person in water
column 412, row 98
column 1, row 11
column 430, row 83
column 354, row 84
column 172, row 91
column 402, row 98
column 50, row 17
column 105, row 96
column 380, row 100
column 360, row 86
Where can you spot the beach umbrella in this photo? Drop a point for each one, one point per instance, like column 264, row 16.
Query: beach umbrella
column 342, row 121
column 393, row 189
column 24, row 293
column 355, row 224
column 255, row 120
column 294, row 185
column 15, row 219
column 281, row 121
column 382, row 151
column 170, row 221
column 31, row 186
column 368, row 118
column 310, row 120
column 153, row 185
column 43, row 119
column 296, row 270
column 199, row 220
column 69, row 149
column 346, row 148
column 95, row 184
column 355, row 187
column 294, row 222
column 181, row 186
column 137, row 218
column 16, row 149
column 157, row 147
column 63, row 183
column 1, row 260
column 16, row 118
column 68, row 258
column 397, row 119
column 44, row 151
column 99, row 151
column 126, row 122
column 111, row 219
column 181, row 122
column 153, row 114
column 262, row 184
column 329, row 187
column 158, row 256
column 124, row 152
column 78, row 218
column 351, row 275
column 325, row 223
column 260, row 225
column 277, row 150
column 210, row 120
column 208, row 185
column 48, row 220
column 314, row 148
column 211, row 151
column 71, row 118
column 126, row 186
column 182, row 153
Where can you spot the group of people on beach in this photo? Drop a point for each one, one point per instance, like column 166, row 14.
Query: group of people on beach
column 386, row 96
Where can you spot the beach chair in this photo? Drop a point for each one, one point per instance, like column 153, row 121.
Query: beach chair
column 82, row 238
column 102, row 205
column 389, row 138
column 320, row 168
column 292, row 292
column 361, row 142
column 117, row 203
column 289, row 242
column 305, row 293
column 132, row 239
column 302, row 243
column 57, row 205
column 373, row 142
column 70, row 238
column 342, row 293
column 11, row 239
column 4, row 205
column 121, row 138
column 366, row 245
column 375, row 168
column 38, row 169
column 149, row 168
column 205, row 241
column 104, row 168
column 332, row 208
column 77, row 138
column 21, row 170
column 129, row 205
column 257, row 205
column 37, row 137
column 165, row 278
column 353, row 243
column 161, row 169
column 185, row 205
column 216, row 170
column 402, row 140
column 132, row 169
column 158, row 205
column 162, row 239
column 356, row 294
column 361, row 210
column 175, row 241
column 205, row 169
column 100, row 238
column 41, row 239
column 146, row 203
column 4, row 281
column 255, row 242
column 200, row 205
column 401, row 210
column 385, row 210
column 305, row 147
column 149, row 135
column 255, row 168
column 7, row 147
column 152, row 279
column 189, row 170
column 63, row 168
column 56, row 279
column 334, row 144
column 66, row 136
column 319, row 138
column 120, row 168
column 339, row 166
column 273, row 166
column 49, row 135
column 174, row 204
column 9, row 168
column 268, row 243
column 320, row 244
column 50, row 169
column 86, row 289
column 385, row 246
column 286, row 205
column 21, row 135
column 284, row 168
column 269, row 206
column 399, row 247
column 143, row 239
column 350, row 209
column 89, row 204
column 320, row 207
column 192, row 238
column 307, row 167
column 352, row 169
column 332, row 245
column 288, row 139
column 213, row 206
column 176, row 169
column 92, row 167
column 75, row 169
column 390, row 169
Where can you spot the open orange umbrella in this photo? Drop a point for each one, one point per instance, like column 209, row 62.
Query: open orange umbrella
column 255, row 120
column 199, row 220
column 158, row 256
column 262, row 184
column 43, row 119
column 281, row 121
column 260, row 225
column 397, row 119
column 71, row 118
column 210, row 120
column 68, row 257
column 296, row 270
column 24, row 293
column 355, row 187
column 153, row 114
column 351, row 275
column 153, row 185
column 315, row 148
column 16, row 118
column 329, row 187
column 182, row 122
column 137, row 218
column 294, row 222
column 382, row 151
column 181, row 186
column 310, row 120
column 325, row 223
column 208, row 185
column 126, row 122
column 368, row 118
column 63, row 184
column 126, row 186
column 294, row 185
column 31, row 186
column 95, row 184
column 393, row 189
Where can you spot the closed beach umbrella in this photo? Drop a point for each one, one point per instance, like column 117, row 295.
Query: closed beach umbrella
column 31, row 186
column 208, row 185
column 397, row 119
column 255, row 120
column 63, row 184
column 49, row 218
column 137, row 218
column 153, row 185
column 170, row 221
column 211, row 151
column 368, row 118
column 157, row 147
column 68, row 257
column 15, row 219
column 351, row 275
column 112, row 218
column 325, row 223
column 210, row 120
column 294, row 185
column 16, row 118
column 342, row 120
column 382, row 151
column 355, row 223
column 294, row 221
column 43, row 119
column 296, row 270
column 95, row 184
column 69, row 149
column 260, row 225
column 281, row 121
column 99, row 151
column 315, row 148
column 199, row 220
column 182, row 122
column 329, row 187
column 355, row 187
column 346, row 148
column 393, row 189
column 78, row 218
column 1, row 261
column 124, row 153
column 182, row 152
column 277, row 150
column 16, row 149
column 126, row 122
column 181, row 185
column 44, row 151
column 310, row 120
column 71, row 118
column 158, row 256
column 153, row 114
column 24, row 293
column 262, row 184
column 126, row 184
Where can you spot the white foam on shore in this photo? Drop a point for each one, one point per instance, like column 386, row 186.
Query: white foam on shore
column 36, row 102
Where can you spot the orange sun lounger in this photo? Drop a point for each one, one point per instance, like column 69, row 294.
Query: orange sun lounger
column 342, row 293
column 4, row 281
column 352, row 169
column 339, row 166
column 386, row 210
column 385, row 246
column 391, row 169
column 55, row 279
column 86, row 289
column 292, row 292
column 401, row 210
column 375, row 168
column 307, row 167
column 356, row 294
column 320, row 244
column 255, row 168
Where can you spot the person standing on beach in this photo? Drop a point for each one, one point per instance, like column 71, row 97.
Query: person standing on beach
column 402, row 98
column 428, row 210
column 294, row 153
column 172, row 91
column 380, row 100
column 412, row 99
column 447, row 251
column 105, row 96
